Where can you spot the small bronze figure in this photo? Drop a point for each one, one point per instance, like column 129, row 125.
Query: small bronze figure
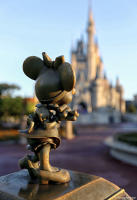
column 54, row 87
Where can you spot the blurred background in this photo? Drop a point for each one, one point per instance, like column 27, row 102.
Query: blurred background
column 99, row 38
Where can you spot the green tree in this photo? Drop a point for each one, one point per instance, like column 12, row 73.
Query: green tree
column 11, row 106
column 7, row 89
column 131, row 108
column 8, row 105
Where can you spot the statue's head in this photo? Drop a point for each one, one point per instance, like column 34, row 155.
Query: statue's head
column 55, row 80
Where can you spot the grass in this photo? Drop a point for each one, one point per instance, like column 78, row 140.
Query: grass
column 130, row 138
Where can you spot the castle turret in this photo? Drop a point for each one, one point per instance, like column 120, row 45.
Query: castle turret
column 80, row 46
column 117, row 82
column 120, row 90
column 90, row 48
column 105, row 76
column 74, row 60
column 96, row 46
column 98, row 72
column 119, row 87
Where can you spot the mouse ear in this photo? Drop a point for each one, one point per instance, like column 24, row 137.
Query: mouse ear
column 32, row 67
column 67, row 76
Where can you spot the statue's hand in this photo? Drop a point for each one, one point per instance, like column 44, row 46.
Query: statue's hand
column 62, row 112
column 62, row 115
column 42, row 113
column 30, row 123
column 72, row 115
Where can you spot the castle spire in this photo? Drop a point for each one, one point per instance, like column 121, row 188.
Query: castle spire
column 96, row 41
column 90, row 15
column 91, row 65
column 90, row 27
column 117, row 81
column 111, row 85
column 105, row 75
column 98, row 73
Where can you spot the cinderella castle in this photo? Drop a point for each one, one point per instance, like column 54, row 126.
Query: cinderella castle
column 94, row 91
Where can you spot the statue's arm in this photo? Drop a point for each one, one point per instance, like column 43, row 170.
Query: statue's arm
column 31, row 122
column 65, row 113
column 72, row 115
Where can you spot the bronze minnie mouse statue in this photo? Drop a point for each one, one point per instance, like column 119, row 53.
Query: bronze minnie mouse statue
column 54, row 87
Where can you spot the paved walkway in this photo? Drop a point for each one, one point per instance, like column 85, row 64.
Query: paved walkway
column 86, row 153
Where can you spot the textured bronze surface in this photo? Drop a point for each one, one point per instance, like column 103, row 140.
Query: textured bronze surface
column 18, row 186
column 54, row 87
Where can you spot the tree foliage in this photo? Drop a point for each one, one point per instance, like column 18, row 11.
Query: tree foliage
column 11, row 106
column 7, row 89
column 131, row 108
column 15, row 106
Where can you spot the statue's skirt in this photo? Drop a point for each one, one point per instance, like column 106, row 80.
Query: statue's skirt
column 39, row 135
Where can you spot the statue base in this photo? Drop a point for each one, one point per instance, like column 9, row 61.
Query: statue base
column 18, row 186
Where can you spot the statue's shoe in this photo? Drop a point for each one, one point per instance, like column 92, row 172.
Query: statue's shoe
column 60, row 176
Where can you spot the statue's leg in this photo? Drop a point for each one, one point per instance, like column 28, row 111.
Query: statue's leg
column 34, row 160
column 46, row 172
column 30, row 162
column 23, row 162
column 44, row 159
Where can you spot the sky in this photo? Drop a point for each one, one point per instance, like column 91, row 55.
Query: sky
column 29, row 27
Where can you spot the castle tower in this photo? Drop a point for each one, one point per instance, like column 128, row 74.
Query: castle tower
column 93, row 89
column 120, row 90
column 90, row 48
